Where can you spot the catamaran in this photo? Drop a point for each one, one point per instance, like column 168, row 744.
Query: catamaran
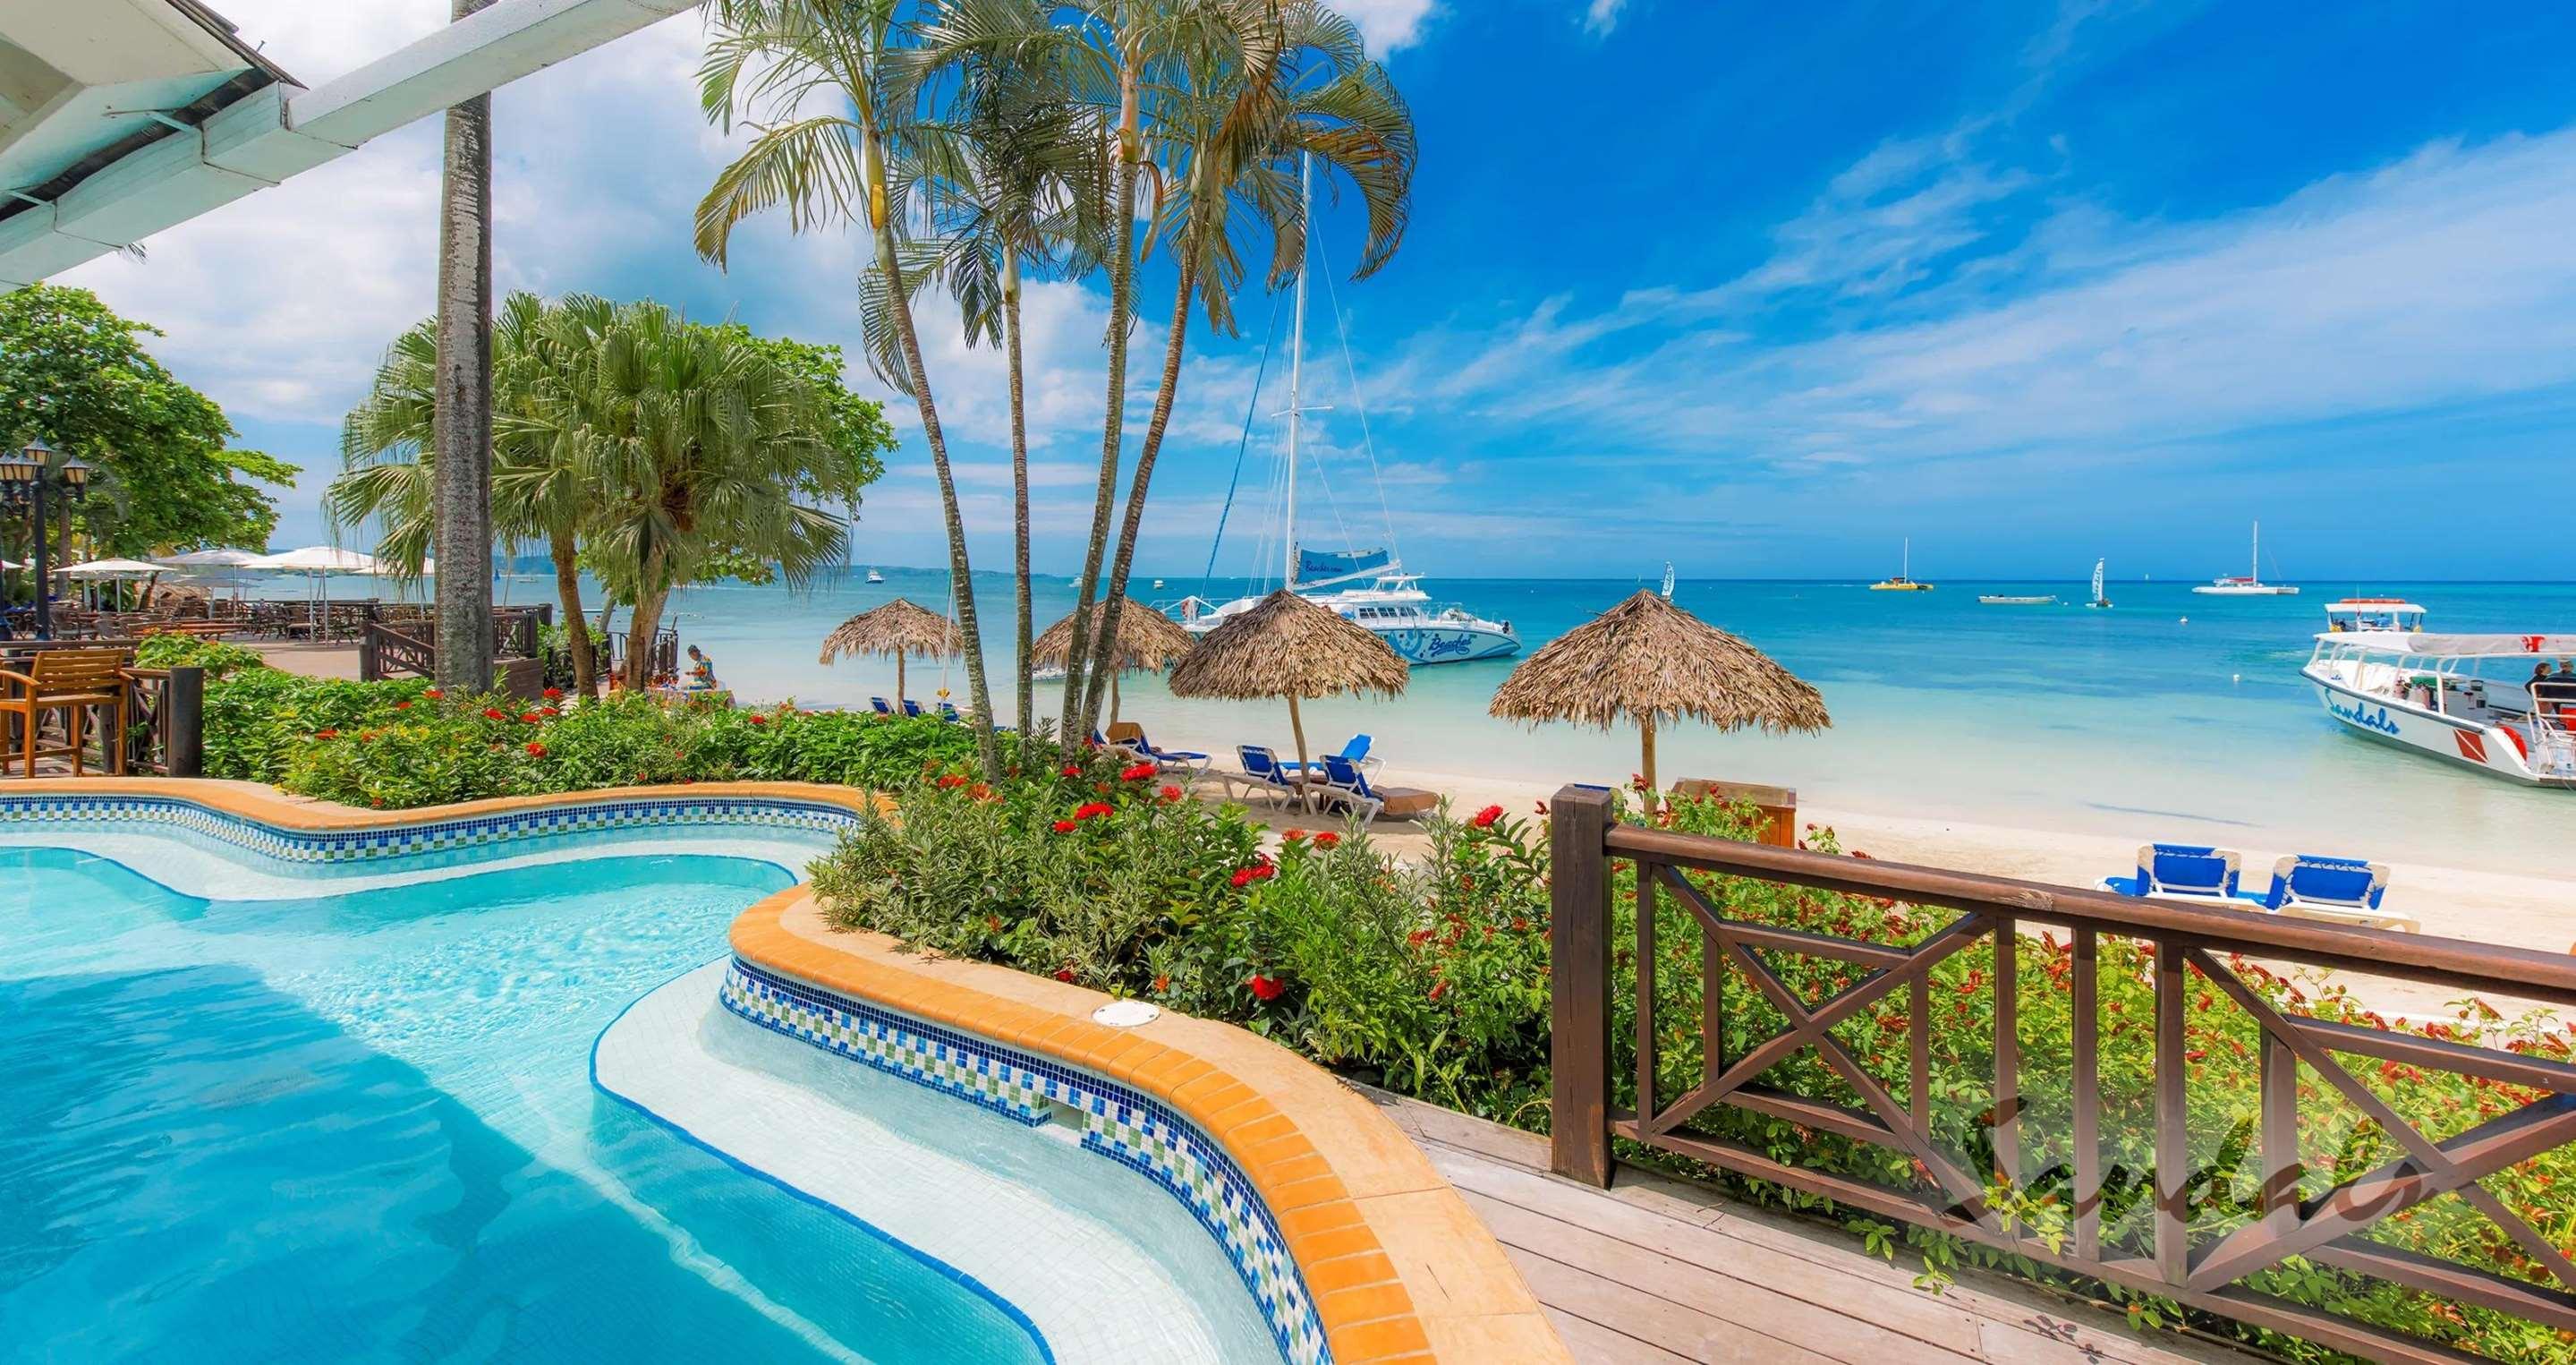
column 2251, row 584
column 2098, row 599
column 1904, row 580
column 1369, row 587
column 2470, row 699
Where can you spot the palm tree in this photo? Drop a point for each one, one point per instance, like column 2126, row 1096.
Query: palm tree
column 1007, row 178
column 769, row 65
column 1244, row 105
column 703, row 451
column 540, row 488
column 463, row 391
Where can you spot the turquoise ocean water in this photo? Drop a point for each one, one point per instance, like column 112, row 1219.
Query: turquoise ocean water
column 2169, row 715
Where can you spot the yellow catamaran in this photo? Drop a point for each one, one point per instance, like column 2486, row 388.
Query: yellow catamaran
column 1904, row 581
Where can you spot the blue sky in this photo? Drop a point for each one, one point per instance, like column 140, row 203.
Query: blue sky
column 1758, row 289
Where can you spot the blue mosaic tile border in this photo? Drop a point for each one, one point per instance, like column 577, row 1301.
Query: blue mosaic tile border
column 129, row 814
column 1120, row 1123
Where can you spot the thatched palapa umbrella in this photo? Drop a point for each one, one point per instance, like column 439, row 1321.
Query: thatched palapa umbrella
column 1147, row 639
column 1652, row 662
column 1288, row 647
column 898, row 628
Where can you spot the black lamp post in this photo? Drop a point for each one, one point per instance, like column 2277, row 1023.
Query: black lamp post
column 22, row 480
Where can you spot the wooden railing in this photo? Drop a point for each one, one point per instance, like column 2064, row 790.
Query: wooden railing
column 404, row 642
column 2189, row 1232
column 165, row 716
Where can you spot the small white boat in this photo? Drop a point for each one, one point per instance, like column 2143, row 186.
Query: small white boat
column 2250, row 584
column 1668, row 580
column 2468, row 699
column 2099, row 601
column 874, row 576
column 2000, row 599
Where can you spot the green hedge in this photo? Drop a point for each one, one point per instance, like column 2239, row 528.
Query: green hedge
column 398, row 744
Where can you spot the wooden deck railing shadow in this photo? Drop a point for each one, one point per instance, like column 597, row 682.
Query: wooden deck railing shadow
column 2189, row 1233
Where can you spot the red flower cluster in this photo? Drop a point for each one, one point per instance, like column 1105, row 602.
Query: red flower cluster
column 757, row 718
column 1258, row 872
column 530, row 717
column 1170, row 793
column 950, row 781
column 1064, row 973
column 536, row 750
column 1294, row 836
column 433, row 694
column 1265, row 988
column 553, row 694
column 1484, row 819
column 1065, row 827
column 1073, row 770
column 1137, row 772
column 326, row 734
column 402, row 706
column 493, row 713
column 1089, row 809
column 1327, row 839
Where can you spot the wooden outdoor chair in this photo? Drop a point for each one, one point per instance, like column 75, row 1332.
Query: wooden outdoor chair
column 70, row 681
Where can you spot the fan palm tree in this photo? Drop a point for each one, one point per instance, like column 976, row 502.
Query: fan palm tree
column 540, row 489
column 1243, row 107
column 770, row 65
column 703, row 452
column 1009, row 177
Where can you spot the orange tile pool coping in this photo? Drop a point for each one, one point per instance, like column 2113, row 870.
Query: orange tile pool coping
column 1400, row 1268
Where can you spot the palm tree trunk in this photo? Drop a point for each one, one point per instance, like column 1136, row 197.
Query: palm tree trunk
column 1145, row 455
column 1024, row 681
column 1122, row 283
column 643, row 624
column 463, row 401
column 585, row 660
column 960, row 574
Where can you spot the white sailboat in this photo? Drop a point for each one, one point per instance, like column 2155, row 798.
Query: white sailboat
column 2098, row 599
column 1668, row 580
column 1368, row 587
column 2251, row 584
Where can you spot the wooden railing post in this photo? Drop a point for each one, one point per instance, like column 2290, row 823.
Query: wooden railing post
column 369, row 668
column 183, row 720
column 1579, row 951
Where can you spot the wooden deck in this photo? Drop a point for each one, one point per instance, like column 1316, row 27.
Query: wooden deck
column 1655, row 1271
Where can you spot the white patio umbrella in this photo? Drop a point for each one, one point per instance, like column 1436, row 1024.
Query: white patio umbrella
column 110, row 570
column 227, row 562
column 317, row 562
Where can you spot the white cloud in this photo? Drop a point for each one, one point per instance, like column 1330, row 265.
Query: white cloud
column 1389, row 24
column 2446, row 277
column 1601, row 16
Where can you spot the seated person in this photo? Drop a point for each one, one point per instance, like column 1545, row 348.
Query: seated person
column 702, row 671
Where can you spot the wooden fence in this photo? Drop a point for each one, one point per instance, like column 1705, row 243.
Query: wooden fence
column 2188, row 1238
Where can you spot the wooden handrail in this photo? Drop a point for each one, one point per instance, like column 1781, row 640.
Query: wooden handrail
column 2161, row 1246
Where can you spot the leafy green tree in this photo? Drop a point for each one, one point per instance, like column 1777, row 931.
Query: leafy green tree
column 77, row 375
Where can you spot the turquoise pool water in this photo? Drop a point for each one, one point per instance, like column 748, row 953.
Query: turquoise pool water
column 360, row 1126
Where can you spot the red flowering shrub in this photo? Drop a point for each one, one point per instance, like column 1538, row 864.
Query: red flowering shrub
column 1139, row 772
column 536, row 749
column 1484, row 819
column 1264, row 988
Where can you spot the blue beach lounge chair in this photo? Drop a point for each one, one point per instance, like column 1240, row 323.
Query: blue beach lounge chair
column 1357, row 751
column 1262, row 772
column 2182, row 871
column 948, row 712
column 2345, row 890
column 911, row 707
column 1130, row 736
column 1346, row 783
column 880, row 704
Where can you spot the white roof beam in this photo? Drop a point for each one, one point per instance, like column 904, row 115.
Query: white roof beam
column 282, row 130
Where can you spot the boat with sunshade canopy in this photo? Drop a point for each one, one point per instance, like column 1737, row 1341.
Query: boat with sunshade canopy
column 2498, row 703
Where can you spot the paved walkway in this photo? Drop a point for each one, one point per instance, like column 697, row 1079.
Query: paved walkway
column 1655, row 1271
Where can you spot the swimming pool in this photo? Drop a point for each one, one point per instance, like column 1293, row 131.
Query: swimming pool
column 359, row 1123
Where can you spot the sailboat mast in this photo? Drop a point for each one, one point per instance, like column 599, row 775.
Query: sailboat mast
column 1297, row 351
column 2255, row 570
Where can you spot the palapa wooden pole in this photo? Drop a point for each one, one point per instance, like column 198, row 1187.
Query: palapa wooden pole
column 1646, row 735
column 898, row 680
column 1297, row 727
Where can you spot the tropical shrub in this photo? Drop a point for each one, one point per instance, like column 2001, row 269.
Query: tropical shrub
column 218, row 658
column 403, row 743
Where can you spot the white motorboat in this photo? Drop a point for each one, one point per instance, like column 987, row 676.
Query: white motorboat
column 874, row 576
column 2006, row 599
column 1369, row 587
column 2250, row 584
column 2468, row 699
